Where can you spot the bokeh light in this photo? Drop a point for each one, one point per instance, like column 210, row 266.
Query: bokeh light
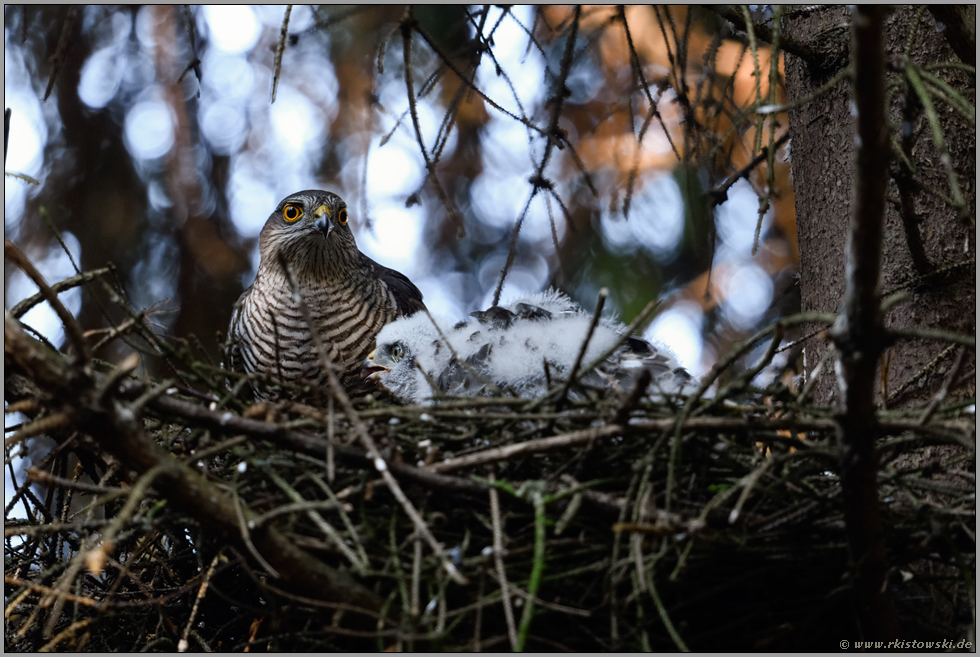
column 216, row 150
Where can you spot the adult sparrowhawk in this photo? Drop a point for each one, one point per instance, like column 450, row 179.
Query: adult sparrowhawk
column 349, row 297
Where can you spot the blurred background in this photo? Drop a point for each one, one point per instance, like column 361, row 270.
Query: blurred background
column 156, row 146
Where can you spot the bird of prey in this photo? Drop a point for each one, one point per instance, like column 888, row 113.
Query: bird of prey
column 349, row 296
column 520, row 348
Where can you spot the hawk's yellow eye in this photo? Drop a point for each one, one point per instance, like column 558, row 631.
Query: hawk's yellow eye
column 396, row 349
column 292, row 213
column 342, row 217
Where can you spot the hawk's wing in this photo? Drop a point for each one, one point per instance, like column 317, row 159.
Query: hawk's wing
column 408, row 298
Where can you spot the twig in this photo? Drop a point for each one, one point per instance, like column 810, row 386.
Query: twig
column 43, row 425
column 941, row 395
column 280, row 47
column 72, row 329
column 699, row 423
column 301, row 504
column 662, row 612
column 58, row 58
column 202, row 590
column 498, row 560
column 407, row 24
column 636, row 326
column 719, row 194
column 925, row 333
column 71, row 630
column 596, row 316
column 537, row 567
column 915, row 81
column 653, row 113
column 554, row 137
column 858, row 331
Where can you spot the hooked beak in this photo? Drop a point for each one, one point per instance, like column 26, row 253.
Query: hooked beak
column 370, row 370
column 322, row 223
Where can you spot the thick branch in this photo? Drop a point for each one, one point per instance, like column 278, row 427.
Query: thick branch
column 732, row 14
column 858, row 333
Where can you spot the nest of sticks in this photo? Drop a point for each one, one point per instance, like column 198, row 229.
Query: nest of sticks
column 165, row 514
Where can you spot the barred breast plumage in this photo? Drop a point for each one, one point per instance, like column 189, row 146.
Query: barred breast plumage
column 349, row 296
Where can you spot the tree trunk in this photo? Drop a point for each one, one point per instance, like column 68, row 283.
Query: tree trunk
column 929, row 247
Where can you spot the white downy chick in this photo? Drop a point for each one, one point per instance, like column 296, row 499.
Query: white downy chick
column 515, row 348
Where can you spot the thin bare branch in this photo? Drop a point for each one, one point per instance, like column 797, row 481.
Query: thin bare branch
column 858, row 331
column 280, row 48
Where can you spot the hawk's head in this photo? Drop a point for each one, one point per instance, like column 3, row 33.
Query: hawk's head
column 311, row 230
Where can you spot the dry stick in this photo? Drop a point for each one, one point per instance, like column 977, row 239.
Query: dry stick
column 937, row 135
column 538, row 180
column 719, row 194
column 94, row 550
column 201, row 592
column 226, row 422
column 537, row 568
column 662, row 612
column 941, row 395
column 512, row 247
column 771, row 150
column 43, row 425
column 772, row 108
column 638, row 70
column 331, row 441
column 36, row 474
column 919, row 375
column 934, row 334
column 352, row 532
column 858, row 332
column 71, row 630
column 362, row 433
column 280, row 48
column 653, row 113
column 753, row 47
column 603, row 293
column 408, row 22
column 58, row 58
column 301, row 504
column 452, row 67
column 72, row 329
column 498, row 560
column 698, row 423
column 414, row 604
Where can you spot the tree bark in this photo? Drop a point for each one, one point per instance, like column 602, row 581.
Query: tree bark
column 928, row 250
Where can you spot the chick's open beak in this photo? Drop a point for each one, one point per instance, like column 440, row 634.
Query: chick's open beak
column 370, row 370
